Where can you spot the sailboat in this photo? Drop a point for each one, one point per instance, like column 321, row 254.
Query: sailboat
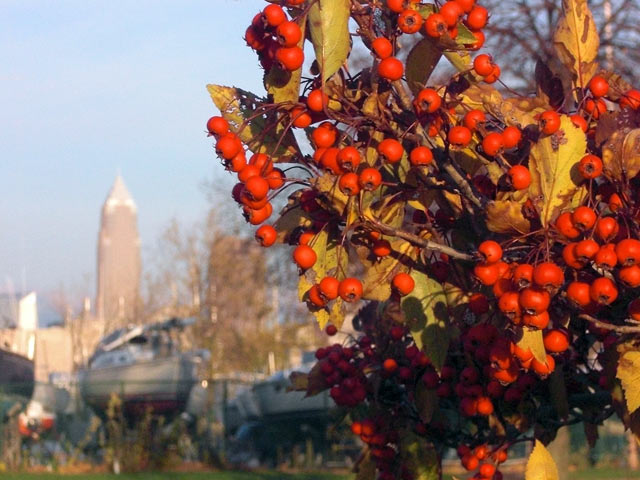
column 144, row 366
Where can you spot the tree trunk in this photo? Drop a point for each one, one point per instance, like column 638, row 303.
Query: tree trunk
column 632, row 459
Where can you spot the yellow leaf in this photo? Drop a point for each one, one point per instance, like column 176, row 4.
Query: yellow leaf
column 376, row 282
column 328, row 185
column 631, row 153
column 284, row 86
column 612, row 155
column 336, row 313
column 629, row 375
column 554, row 174
column 291, row 217
column 238, row 105
column 540, row 465
column 576, row 41
column 329, row 27
column 532, row 339
column 621, row 154
column 505, row 216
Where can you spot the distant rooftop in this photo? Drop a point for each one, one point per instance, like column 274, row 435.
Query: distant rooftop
column 48, row 315
column 119, row 195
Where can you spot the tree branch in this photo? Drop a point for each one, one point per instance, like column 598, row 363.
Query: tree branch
column 610, row 326
column 418, row 241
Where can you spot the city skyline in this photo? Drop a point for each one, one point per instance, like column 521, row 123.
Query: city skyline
column 90, row 89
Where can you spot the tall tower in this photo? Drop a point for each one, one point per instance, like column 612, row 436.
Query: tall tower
column 118, row 259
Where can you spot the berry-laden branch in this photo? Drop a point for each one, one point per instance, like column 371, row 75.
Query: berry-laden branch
column 505, row 194
column 418, row 241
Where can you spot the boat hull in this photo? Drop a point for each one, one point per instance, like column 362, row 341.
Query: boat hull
column 274, row 399
column 16, row 374
column 162, row 385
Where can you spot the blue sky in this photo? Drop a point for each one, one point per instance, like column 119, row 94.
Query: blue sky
column 90, row 87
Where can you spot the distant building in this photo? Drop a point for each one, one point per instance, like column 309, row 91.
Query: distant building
column 119, row 265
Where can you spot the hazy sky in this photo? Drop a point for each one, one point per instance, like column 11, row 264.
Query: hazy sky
column 88, row 87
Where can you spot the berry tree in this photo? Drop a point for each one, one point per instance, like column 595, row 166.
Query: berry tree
column 490, row 237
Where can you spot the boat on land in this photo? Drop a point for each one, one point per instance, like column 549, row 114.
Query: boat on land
column 16, row 374
column 145, row 368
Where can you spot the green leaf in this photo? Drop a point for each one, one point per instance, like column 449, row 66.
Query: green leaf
column 461, row 60
column 426, row 314
column 629, row 375
column 554, row 174
column 421, row 62
column 465, row 37
column 540, row 465
column 236, row 106
column 329, row 27
column 426, row 402
column 419, row 457
column 284, row 86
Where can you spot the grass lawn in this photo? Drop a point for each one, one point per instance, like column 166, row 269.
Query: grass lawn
column 180, row 476
column 596, row 474
column 603, row 473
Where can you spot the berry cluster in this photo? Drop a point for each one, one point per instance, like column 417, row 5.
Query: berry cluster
column 276, row 39
column 488, row 268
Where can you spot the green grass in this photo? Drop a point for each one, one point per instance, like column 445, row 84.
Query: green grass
column 180, row 476
column 595, row 474
column 603, row 474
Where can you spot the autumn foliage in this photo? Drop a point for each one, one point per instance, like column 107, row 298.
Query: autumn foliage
column 490, row 237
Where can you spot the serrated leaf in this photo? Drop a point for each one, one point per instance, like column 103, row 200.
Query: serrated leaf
column 629, row 375
column 419, row 457
column 290, row 218
column 376, row 282
column 421, row 62
column 329, row 27
column 426, row 314
column 540, row 465
column 576, row 41
column 389, row 211
column 553, row 165
column 505, row 216
column 236, row 106
column 327, row 184
column 532, row 339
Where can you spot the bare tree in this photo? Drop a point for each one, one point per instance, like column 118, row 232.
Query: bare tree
column 521, row 32
column 244, row 296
